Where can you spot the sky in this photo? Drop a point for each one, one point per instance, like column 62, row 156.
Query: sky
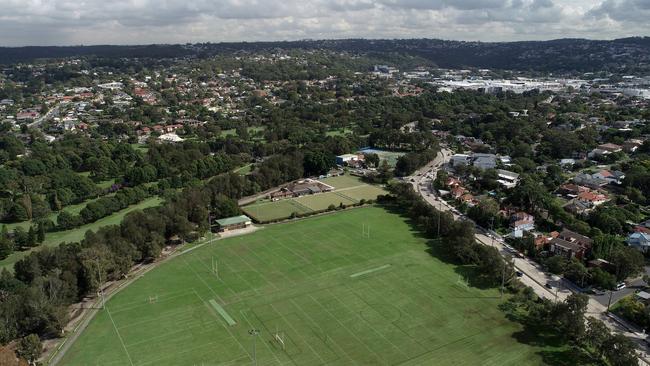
column 77, row 22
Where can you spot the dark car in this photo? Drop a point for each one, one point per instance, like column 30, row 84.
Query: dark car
column 548, row 285
column 519, row 274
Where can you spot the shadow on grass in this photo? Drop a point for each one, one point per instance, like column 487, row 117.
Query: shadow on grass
column 555, row 350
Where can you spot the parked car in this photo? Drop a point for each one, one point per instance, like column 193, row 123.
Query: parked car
column 519, row 274
column 548, row 285
column 620, row 286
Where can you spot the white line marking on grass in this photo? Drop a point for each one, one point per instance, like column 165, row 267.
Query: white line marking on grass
column 344, row 327
column 185, row 350
column 321, row 329
column 163, row 335
column 266, row 344
column 145, row 303
column 226, row 328
column 358, row 315
column 118, row 335
column 368, row 271
column 298, row 334
column 166, row 315
column 291, row 250
column 253, row 269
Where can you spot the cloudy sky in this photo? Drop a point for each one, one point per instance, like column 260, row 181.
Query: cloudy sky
column 72, row 22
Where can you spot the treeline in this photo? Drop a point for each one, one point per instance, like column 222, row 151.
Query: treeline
column 590, row 339
column 456, row 238
column 35, row 299
column 407, row 164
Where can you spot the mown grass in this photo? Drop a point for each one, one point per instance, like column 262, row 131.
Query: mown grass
column 333, row 295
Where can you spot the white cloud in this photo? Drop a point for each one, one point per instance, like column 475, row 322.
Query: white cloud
column 59, row 22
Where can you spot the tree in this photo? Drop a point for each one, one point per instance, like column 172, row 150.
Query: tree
column 30, row 348
column 317, row 162
column 628, row 262
column 596, row 335
column 556, row 264
column 573, row 316
column 602, row 279
column 6, row 247
column 371, row 159
column 31, row 237
column 620, row 351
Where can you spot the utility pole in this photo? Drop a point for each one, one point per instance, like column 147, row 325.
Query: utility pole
column 210, row 224
column 609, row 302
column 503, row 277
column 439, row 214
column 101, row 289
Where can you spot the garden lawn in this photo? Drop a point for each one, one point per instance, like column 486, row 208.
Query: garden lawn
column 317, row 292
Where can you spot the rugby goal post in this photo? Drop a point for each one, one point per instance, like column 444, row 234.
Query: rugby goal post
column 365, row 230
column 279, row 337
column 215, row 267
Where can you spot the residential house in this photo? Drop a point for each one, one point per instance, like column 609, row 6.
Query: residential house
column 592, row 199
column 639, row 241
column 611, row 176
column 589, row 181
column 460, row 159
column 484, row 161
column 458, row 191
column 520, row 222
column 611, row 148
column 577, row 207
column 571, row 245
column 507, row 178
column 572, row 190
column 632, row 145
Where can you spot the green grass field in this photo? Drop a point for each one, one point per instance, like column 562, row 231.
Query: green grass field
column 333, row 296
column 74, row 235
column 348, row 190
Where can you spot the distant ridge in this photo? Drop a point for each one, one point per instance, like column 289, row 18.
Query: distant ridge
column 561, row 55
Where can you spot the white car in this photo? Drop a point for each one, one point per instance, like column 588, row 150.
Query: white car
column 620, row 286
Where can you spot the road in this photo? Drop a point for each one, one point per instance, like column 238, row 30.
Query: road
column 45, row 117
column 532, row 273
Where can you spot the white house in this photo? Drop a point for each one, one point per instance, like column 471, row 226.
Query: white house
column 170, row 137
column 507, row 178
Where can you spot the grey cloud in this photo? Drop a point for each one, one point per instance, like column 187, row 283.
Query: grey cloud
column 623, row 10
column 39, row 22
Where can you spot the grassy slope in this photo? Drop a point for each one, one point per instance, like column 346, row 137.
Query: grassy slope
column 74, row 235
column 295, row 278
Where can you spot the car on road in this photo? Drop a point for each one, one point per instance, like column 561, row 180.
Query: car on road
column 548, row 285
column 620, row 286
column 519, row 274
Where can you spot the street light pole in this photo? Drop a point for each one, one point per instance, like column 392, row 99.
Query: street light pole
column 609, row 302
